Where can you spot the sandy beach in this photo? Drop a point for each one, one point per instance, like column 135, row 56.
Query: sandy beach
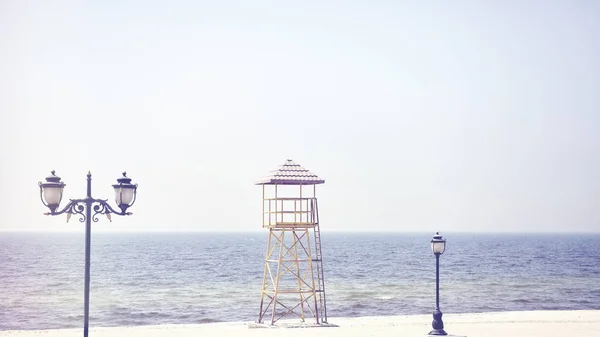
column 513, row 324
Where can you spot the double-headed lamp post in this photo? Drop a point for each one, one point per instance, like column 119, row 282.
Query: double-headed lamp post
column 88, row 209
column 438, row 246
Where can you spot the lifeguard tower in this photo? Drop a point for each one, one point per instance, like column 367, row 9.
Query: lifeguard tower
column 293, row 284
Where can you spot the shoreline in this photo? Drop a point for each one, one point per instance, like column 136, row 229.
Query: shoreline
column 489, row 324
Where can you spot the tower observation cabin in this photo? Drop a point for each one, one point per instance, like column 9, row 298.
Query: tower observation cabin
column 293, row 283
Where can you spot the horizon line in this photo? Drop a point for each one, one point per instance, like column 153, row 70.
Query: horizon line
column 262, row 231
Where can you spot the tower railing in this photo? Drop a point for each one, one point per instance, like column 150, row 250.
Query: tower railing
column 290, row 212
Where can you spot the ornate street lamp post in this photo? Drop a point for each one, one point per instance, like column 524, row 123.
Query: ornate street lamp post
column 51, row 193
column 438, row 246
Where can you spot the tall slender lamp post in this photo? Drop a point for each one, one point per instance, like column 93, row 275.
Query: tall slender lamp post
column 51, row 193
column 438, row 246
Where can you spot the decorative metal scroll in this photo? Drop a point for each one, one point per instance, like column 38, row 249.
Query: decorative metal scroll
column 97, row 207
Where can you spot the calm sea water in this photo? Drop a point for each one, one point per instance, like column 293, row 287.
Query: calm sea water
column 140, row 279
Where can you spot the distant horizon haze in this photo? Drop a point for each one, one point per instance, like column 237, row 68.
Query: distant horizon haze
column 445, row 234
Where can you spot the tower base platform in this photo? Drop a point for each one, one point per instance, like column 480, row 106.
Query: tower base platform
column 290, row 324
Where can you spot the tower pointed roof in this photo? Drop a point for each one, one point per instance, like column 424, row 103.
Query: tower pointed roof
column 291, row 173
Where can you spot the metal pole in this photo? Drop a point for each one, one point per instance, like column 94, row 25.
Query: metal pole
column 88, row 229
column 437, row 324
column 437, row 281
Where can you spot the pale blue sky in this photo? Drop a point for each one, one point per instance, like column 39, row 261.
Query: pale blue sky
column 421, row 115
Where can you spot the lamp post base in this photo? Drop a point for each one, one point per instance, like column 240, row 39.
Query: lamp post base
column 437, row 324
column 439, row 332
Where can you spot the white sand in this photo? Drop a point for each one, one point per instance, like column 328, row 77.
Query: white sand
column 499, row 324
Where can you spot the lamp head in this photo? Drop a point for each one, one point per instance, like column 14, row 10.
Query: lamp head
column 438, row 245
column 125, row 192
column 51, row 191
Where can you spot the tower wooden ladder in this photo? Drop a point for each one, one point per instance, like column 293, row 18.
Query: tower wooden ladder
column 319, row 261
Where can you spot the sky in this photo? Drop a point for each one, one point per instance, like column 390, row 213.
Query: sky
column 461, row 116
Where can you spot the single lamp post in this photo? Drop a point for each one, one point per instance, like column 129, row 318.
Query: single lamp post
column 51, row 193
column 438, row 246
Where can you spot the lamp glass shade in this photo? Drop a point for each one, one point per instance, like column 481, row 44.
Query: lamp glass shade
column 438, row 247
column 53, row 194
column 124, row 194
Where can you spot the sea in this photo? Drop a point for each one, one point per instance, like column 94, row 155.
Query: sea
column 191, row 278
